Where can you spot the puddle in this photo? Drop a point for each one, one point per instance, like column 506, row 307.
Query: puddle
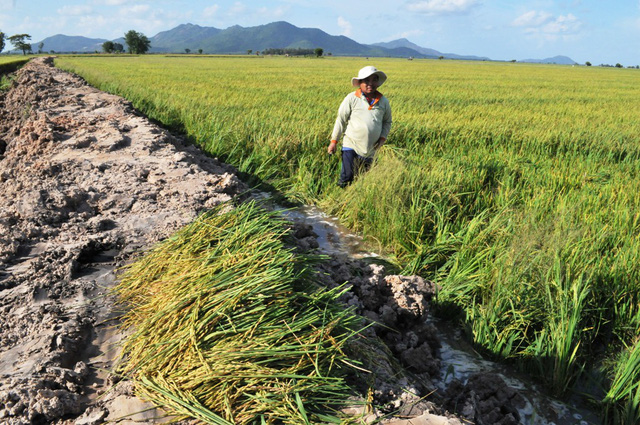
column 333, row 238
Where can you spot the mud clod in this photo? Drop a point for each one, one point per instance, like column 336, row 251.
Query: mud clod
column 486, row 400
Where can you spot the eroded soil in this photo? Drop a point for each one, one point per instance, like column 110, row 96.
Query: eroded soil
column 86, row 184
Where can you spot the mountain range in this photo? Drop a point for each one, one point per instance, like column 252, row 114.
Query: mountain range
column 560, row 60
column 276, row 35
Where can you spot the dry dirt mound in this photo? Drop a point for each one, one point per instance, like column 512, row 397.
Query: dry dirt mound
column 86, row 184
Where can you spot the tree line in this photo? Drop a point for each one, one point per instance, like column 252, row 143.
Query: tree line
column 293, row 52
column 136, row 42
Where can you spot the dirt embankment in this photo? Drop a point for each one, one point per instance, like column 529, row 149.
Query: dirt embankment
column 86, row 183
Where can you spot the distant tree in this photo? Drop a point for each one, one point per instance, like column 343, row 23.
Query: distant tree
column 513, row 61
column 618, row 65
column 137, row 42
column 1, row 41
column 199, row 51
column 108, row 47
column 40, row 46
column 118, row 48
column 440, row 57
column 289, row 51
column 587, row 63
column 187, row 51
column 19, row 42
column 318, row 51
column 249, row 51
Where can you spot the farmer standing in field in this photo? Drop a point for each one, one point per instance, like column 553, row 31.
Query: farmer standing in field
column 364, row 118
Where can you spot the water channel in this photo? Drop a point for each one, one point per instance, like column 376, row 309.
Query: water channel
column 459, row 359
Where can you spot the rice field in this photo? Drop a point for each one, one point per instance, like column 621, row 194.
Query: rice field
column 13, row 58
column 513, row 186
column 11, row 63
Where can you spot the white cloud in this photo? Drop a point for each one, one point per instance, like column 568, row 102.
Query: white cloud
column 438, row 7
column 88, row 25
column 278, row 12
column 568, row 24
column 238, row 8
column 211, row 11
column 79, row 10
column 547, row 26
column 135, row 10
column 112, row 2
column 345, row 26
column 531, row 19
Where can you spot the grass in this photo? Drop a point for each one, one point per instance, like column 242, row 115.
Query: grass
column 513, row 186
column 5, row 82
column 230, row 328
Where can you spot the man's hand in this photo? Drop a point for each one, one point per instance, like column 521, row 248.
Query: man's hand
column 332, row 147
column 379, row 143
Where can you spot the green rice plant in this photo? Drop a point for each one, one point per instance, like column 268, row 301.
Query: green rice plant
column 556, row 347
column 227, row 325
column 622, row 401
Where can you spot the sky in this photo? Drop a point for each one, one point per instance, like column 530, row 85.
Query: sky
column 598, row 31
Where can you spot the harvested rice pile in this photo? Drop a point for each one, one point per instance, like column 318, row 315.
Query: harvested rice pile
column 229, row 326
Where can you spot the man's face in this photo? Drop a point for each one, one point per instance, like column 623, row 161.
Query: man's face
column 369, row 85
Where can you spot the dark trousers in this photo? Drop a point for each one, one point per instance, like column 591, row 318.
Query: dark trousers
column 352, row 165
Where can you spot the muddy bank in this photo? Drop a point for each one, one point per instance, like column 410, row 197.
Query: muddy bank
column 86, row 184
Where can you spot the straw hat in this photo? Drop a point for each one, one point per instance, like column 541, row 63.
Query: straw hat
column 366, row 72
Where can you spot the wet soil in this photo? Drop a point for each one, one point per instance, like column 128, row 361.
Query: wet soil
column 87, row 184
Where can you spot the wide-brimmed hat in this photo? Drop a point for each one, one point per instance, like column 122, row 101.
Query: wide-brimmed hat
column 366, row 72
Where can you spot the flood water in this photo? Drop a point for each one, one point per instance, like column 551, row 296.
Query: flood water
column 459, row 360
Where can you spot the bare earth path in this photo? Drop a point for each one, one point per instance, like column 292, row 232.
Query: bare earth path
column 86, row 184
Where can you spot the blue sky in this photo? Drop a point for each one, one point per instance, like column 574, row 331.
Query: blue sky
column 598, row 31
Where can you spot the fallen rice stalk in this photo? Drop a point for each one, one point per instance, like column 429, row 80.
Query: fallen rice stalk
column 228, row 327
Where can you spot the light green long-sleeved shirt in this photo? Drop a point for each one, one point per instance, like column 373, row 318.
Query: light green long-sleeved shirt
column 361, row 124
